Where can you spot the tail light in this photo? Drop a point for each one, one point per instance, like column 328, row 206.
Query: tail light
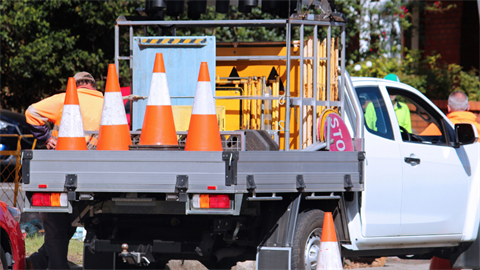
column 206, row 201
column 50, row 199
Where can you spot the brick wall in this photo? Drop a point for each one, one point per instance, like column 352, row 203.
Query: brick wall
column 470, row 50
column 442, row 32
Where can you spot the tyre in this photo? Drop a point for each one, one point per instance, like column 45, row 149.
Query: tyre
column 3, row 260
column 306, row 242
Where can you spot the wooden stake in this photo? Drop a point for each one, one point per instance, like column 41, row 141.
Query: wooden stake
column 259, row 103
column 275, row 103
column 245, row 115
column 253, row 106
column 309, row 134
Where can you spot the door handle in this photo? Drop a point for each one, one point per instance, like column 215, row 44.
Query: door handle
column 412, row 160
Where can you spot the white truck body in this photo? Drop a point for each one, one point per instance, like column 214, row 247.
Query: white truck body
column 432, row 204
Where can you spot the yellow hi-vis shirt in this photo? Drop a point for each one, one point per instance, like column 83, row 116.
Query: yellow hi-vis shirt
column 50, row 109
column 401, row 111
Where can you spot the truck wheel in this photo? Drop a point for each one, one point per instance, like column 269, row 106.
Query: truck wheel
column 3, row 260
column 306, row 242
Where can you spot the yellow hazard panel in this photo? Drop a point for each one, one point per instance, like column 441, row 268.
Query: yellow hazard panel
column 232, row 113
column 182, row 113
column 266, row 79
column 246, row 117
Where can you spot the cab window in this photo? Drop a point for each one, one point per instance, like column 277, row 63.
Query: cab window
column 376, row 117
column 417, row 120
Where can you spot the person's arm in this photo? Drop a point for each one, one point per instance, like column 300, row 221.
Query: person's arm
column 39, row 113
column 42, row 133
column 408, row 120
column 403, row 116
column 371, row 117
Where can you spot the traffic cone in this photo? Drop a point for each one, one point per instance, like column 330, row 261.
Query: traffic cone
column 158, row 125
column 203, row 133
column 329, row 255
column 71, row 135
column 439, row 264
column 114, row 133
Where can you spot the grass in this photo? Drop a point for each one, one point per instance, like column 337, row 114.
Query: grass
column 75, row 248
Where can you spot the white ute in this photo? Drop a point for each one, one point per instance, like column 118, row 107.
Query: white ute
column 420, row 191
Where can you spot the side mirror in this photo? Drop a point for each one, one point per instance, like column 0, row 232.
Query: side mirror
column 465, row 133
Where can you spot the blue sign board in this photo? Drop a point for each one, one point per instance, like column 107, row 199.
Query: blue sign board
column 182, row 57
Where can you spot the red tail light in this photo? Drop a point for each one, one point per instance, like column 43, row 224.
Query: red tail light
column 219, row 201
column 206, row 201
column 37, row 199
column 50, row 199
column 46, row 199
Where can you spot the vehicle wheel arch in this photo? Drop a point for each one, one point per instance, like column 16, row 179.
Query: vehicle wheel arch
column 6, row 247
column 5, row 241
column 309, row 226
column 336, row 207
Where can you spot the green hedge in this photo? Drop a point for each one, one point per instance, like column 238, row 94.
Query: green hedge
column 429, row 75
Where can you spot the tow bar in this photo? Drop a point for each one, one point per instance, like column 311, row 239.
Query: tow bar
column 143, row 256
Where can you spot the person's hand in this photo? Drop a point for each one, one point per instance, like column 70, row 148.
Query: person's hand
column 51, row 143
column 134, row 97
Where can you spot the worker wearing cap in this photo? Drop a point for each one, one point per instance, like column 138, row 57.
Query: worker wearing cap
column 58, row 226
column 457, row 113
column 50, row 110
column 401, row 109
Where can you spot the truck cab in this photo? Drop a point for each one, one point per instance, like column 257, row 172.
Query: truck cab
column 421, row 187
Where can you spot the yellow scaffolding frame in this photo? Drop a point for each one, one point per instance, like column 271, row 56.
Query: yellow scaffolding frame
column 18, row 155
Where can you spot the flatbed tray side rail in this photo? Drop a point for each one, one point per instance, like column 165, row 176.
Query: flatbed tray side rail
column 294, row 171
column 157, row 171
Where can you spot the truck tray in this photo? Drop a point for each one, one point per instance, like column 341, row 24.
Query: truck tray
column 157, row 171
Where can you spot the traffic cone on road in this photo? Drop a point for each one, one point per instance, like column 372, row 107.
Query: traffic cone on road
column 439, row 264
column 329, row 256
column 158, row 125
column 203, row 133
column 114, row 133
column 71, row 135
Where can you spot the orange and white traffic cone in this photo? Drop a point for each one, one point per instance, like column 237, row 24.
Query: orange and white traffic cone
column 158, row 125
column 71, row 135
column 439, row 264
column 329, row 256
column 203, row 133
column 114, row 133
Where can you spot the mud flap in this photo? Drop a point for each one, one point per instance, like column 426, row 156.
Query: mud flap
column 274, row 258
column 470, row 258
column 276, row 251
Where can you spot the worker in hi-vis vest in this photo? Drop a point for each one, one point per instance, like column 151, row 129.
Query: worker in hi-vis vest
column 401, row 111
column 50, row 109
column 58, row 226
column 458, row 112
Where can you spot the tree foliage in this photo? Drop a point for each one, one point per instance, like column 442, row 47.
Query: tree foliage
column 45, row 42
column 231, row 34
column 429, row 75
